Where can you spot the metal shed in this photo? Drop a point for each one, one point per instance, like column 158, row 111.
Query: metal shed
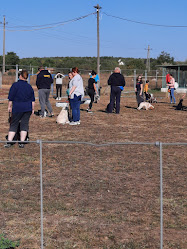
column 179, row 72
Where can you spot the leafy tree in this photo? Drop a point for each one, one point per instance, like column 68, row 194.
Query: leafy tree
column 11, row 58
column 165, row 58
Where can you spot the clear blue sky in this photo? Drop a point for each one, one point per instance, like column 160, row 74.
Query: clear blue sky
column 118, row 38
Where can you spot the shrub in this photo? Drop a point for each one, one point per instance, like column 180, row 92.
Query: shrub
column 7, row 244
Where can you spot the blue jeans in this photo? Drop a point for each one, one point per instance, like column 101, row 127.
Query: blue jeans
column 172, row 95
column 75, row 106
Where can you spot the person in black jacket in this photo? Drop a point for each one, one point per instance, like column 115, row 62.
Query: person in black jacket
column 117, row 82
column 43, row 83
column 91, row 91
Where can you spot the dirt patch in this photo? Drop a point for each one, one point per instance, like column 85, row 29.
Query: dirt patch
column 105, row 197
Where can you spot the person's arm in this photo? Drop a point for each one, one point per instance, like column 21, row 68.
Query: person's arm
column 95, row 88
column 141, row 89
column 37, row 81
column 109, row 80
column 72, row 90
column 171, row 83
column 123, row 81
column 33, row 104
column 10, row 106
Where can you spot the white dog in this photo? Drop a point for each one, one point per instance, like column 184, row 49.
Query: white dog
column 145, row 105
column 63, row 116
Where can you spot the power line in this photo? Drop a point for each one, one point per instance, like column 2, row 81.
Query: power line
column 52, row 25
column 145, row 23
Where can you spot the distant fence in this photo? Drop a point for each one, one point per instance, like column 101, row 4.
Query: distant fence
column 159, row 146
column 154, row 76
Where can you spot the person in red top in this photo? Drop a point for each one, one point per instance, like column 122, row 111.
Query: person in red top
column 167, row 82
column 171, row 85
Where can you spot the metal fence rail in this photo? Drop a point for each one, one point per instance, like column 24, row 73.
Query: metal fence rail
column 158, row 144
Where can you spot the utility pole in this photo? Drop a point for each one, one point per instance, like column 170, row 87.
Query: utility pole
column 98, row 44
column 4, row 24
column 148, row 58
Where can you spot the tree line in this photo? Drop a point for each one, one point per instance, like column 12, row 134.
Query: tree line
column 87, row 63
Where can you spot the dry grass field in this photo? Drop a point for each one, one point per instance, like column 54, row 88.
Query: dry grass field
column 97, row 197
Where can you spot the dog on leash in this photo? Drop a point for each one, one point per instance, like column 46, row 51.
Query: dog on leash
column 152, row 99
column 145, row 105
column 62, row 118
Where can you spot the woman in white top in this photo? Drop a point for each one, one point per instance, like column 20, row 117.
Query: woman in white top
column 76, row 93
column 59, row 79
column 171, row 85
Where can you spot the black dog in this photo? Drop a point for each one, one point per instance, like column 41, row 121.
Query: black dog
column 180, row 106
column 114, row 108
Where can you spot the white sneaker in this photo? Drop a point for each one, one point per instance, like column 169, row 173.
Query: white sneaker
column 79, row 122
column 57, row 98
column 73, row 123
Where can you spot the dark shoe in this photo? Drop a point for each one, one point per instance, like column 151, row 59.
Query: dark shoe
column 52, row 115
column 8, row 145
column 21, row 145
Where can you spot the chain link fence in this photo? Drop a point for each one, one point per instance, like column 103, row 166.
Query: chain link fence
column 154, row 76
column 74, row 194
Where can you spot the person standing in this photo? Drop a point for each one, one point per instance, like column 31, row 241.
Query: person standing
column 117, row 82
column 21, row 105
column 76, row 92
column 167, row 82
column 91, row 92
column 43, row 83
column 146, row 88
column 171, row 85
column 70, row 76
column 59, row 80
column 139, row 90
column 95, row 76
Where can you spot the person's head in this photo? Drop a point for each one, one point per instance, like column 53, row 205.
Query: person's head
column 70, row 75
column 75, row 71
column 117, row 70
column 147, row 81
column 93, row 73
column 24, row 75
column 139, row 78
column 40, row 68
column 171, row 75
